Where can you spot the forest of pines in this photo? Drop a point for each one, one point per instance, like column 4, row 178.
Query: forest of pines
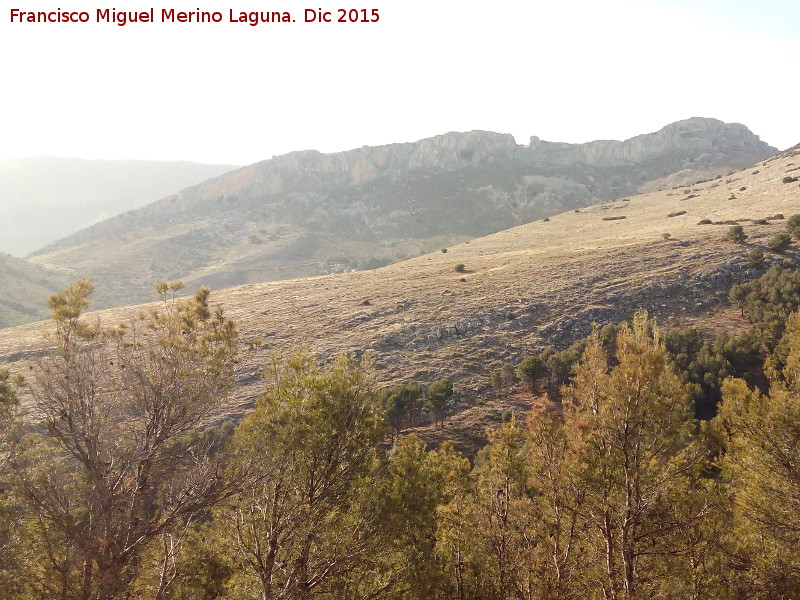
column 652, row 466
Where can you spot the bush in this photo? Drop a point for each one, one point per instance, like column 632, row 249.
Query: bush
column 374, row 262
column 534, row 368
column 779, row 242
column 789, row 179
column 460, row 268
column 704, row 222
column 677, row 213
column 736, row 234
column 793, row 226
column 613, row 218
column 444, row 250
column 666, row 236
column 755, row 258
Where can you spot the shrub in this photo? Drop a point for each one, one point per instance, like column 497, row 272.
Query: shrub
column 759, row 221
column 666, row 236
column 736, row 234
column 444, row 250
column 546, row 219
column 779, row 242
column 793, row 226
column 374, row 262
column 677, row 213
column 789, row 179
column 534, row 368
column 460, row 268
column 613, row 218
column 755, row 258
column 704, row 222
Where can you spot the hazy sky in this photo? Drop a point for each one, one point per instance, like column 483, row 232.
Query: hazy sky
column 232, row 93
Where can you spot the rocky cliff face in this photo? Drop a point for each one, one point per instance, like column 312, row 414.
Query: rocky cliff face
column 704, row 143
column 308, row 213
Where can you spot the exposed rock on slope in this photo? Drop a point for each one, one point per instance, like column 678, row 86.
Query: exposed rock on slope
column 308, row 213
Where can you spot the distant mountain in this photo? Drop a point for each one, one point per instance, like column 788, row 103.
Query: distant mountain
column 45, row 198
column 308, row 213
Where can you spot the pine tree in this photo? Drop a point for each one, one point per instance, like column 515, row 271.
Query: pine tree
column 632, row 431
column 305, row 522
column 114, row 467
column 763, row 464
column 488, row 538
column 419, row 482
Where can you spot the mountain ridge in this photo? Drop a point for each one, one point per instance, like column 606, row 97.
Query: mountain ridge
column 307, row 213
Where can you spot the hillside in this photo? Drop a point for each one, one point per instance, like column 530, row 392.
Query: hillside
column 536, row 284
column 307, row 213
column 24, row 289
column 44, row 198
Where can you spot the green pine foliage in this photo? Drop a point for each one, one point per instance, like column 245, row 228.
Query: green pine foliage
column 611, row 488
column 768, row 301
column 779, row 242
column 736, row 234
column 793, row 226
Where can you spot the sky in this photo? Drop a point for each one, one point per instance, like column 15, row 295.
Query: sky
column 232, row 93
